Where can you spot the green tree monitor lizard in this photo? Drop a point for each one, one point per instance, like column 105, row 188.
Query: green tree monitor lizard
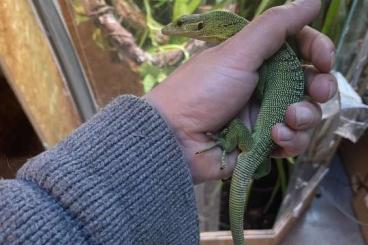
column 281, row 83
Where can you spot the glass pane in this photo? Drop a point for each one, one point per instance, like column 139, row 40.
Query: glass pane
column 109, row 75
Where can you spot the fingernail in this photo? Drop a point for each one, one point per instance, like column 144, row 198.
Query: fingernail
column 333, row 59
column 332, row 89
column 284, row 134
column 303, row 116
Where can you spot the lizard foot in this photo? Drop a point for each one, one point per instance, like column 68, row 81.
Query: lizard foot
column 220, row 141
column 236, row 135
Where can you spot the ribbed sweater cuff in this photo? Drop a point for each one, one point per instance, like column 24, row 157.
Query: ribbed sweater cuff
column 122, row 176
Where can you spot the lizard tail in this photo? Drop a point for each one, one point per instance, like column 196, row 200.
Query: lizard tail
column 245, row 168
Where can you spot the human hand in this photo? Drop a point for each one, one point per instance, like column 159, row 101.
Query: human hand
column 216, row 85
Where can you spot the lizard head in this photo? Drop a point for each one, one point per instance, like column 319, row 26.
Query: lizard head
column 213, row 27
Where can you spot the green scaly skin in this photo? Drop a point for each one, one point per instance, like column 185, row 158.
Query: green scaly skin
column 281, row 83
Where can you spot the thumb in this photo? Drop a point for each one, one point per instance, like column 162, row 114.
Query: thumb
column 265, row 35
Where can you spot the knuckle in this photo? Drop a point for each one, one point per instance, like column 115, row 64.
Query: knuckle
column 300, row 144
column 273, row 13
column 303, row 115
column 323, row 39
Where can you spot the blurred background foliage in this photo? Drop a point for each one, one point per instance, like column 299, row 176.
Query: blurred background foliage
column 160, row 12
column 145, row 18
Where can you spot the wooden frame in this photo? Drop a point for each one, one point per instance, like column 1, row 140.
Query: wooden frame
column 30, row 66
column 283, row 224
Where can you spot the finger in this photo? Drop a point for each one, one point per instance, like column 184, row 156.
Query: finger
column 292, row 142
column 319, row 86
column 316, row 48
column 226, row 172
column 303, row 115
column 207, row 166
column 266, row 34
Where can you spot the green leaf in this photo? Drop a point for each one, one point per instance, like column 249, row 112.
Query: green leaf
column 80, row 19
column 290, row 160
column 99, row 39
column 78, row 7
column 182, row 7
column 149, row 82
column 266, row 4
column 80, row 13
column 282, row 175
column 154, row 27
column 335, row 18
column 151, row 76
column 248, row 8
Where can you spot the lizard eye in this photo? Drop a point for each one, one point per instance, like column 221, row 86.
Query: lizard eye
column 200, row 26
column 179, row 23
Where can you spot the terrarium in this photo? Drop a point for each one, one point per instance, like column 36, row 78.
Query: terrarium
column 101, row 49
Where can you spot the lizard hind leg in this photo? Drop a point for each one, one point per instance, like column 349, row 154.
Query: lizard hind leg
column 235, row 136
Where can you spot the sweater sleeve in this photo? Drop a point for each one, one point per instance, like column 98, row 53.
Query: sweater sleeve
column 120, row 178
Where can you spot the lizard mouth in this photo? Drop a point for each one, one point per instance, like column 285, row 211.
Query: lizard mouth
column 170, row 29
column 173, row 30
column 165, row 29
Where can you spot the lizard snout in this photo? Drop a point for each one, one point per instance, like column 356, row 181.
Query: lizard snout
column 168, row 29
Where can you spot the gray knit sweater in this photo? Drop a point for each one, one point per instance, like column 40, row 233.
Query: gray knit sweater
column 118, row 179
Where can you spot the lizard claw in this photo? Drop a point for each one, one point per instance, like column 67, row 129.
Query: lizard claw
column 208, row 148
